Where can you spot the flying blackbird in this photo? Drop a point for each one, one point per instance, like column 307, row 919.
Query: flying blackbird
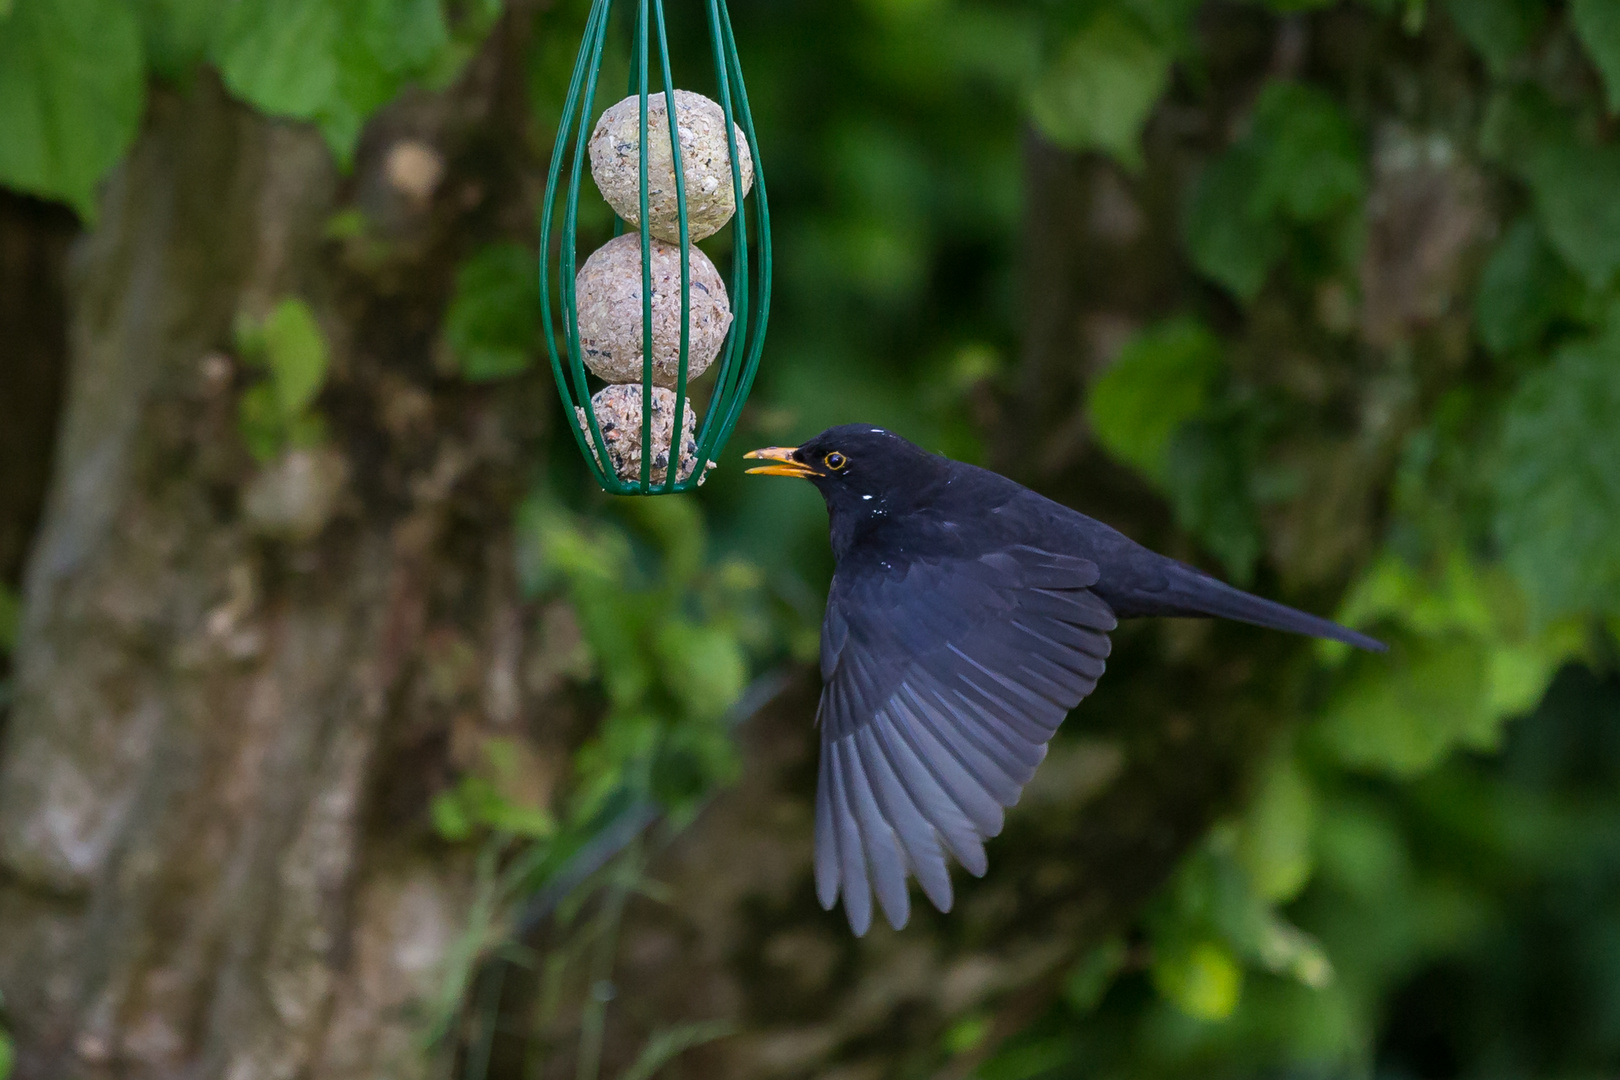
column 967, row 616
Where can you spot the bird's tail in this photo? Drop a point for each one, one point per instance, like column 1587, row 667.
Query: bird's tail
column 1200, row 594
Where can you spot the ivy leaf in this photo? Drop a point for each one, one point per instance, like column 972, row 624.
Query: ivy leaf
column 1228, row 238
column 493, row 323
column 1558, row 491
column 1574, row 188
column 1465, row 658
column 1499, row 30
column 1572, row 182
column 275, row 413
column 72, row 90
column 1309, row 153
column 384, row 44
column 1524, row 289
column 1209, row 465
column 1403, row 714
column 1301, row 162
column 278, row 55
column 1161, row 378
column 1597, row 22
column 332, row 64
column 1102, row 87
column 296, row 354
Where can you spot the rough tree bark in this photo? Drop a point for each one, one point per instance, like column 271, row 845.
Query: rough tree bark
column 202, row 869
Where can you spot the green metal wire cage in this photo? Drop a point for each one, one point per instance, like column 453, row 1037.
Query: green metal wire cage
column 749, row 280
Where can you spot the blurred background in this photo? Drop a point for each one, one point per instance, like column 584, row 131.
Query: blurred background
column 347, row 731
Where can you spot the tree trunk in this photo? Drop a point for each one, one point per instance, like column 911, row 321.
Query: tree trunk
column 207, row 866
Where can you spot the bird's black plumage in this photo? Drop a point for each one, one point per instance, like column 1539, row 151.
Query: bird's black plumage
column 967, row 616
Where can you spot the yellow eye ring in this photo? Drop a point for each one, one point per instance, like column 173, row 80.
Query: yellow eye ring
column 835, row 461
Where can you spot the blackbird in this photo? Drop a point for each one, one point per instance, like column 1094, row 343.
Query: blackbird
column 967, row 616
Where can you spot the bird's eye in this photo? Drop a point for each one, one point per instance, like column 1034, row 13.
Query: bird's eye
column 835, row 461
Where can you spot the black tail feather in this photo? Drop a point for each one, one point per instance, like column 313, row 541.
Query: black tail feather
column 1200, row 594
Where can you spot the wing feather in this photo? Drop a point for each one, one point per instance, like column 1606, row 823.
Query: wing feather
column 885, row 861
column 945, row 681
column 851, row 857
column 924, row 856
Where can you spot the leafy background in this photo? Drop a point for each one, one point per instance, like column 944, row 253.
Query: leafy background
column 1384, row 364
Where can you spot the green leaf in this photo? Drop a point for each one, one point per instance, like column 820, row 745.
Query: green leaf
column 1574, row 188
column 330, row 63
column 1310, row 159
column 1208, row 479
column 1480, row 602
column 7, row 1059
column 1597, row 22
column 1274, row 844
column 1524, row 289
column 1558, row 491
column 1404, row 712
column 275, row 413
column 383, row 45
column 1572, row 182
column 493, row 323
column 1228, row 238
column 72, row 90
column 1300, row 163
column 450, row 819
column 1161, row 378
column 703, row 665
column 1499, row 30
column 1102, row 87
column 297, row 356
column 260, row 423
column 1204, row 980
column 280, row 55
column 1287, row 950
column 1090, row 978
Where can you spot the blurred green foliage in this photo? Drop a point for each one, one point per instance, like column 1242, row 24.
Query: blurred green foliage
column 492, row 325
column 671, row 634
column 73, row 73
column 1373, row 850
column 1296, row 176
column 277, row 411
column 71, row 95
column 1283, row 942
column 1103, row 83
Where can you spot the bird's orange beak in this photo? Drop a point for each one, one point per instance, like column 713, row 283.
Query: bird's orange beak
column 787, row 465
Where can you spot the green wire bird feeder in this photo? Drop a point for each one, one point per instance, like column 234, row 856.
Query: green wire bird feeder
column 647, row 320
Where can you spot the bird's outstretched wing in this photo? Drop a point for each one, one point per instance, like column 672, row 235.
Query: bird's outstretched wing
column 944, row 681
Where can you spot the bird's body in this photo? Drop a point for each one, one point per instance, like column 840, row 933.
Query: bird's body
column 967, row 616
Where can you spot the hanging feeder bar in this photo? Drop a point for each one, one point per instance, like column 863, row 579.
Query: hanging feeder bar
column 644, row 438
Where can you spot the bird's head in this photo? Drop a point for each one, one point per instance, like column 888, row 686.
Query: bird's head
column 858, row 468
